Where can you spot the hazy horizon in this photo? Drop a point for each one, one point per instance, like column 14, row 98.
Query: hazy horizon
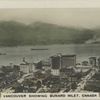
column 76, row 17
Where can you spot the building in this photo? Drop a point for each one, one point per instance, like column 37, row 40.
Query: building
column 92, row 61
column 56, row 62
column 27, row 68
column 2, row 74
column 55, row 65
column 93, row 85
column 66, row 72
column 62, row 61
column 68, row 61
column 55, row 72
column 85, row 63
column 99, row 62
column 46, row 65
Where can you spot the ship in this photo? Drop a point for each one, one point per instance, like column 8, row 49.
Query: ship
column 39, row 49
column 3, row 54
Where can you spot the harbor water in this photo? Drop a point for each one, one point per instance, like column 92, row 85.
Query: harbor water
column 15, row 54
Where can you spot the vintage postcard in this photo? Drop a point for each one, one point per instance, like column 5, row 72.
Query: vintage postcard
column 49, row 53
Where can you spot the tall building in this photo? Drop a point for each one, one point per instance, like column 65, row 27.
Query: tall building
column 68, row 61
column 55, row 62
column 55, row 65
column 92, row 61
column 99, row 62
column 62, row 61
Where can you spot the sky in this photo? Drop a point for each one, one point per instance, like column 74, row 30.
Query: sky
column 76, row 17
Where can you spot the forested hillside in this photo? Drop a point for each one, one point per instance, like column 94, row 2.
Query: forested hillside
column 38, row 33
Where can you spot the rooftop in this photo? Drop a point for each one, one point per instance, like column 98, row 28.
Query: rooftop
column 63, row 56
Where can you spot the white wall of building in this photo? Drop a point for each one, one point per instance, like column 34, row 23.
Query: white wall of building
column 27, row 68
column 24, row 68
column 55, row 72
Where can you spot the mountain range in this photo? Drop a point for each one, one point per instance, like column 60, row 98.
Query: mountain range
column 39, row 33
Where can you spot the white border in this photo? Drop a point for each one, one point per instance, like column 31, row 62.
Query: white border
column 49, row 3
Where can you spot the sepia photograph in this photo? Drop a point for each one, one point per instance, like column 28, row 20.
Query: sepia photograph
column 49, row 50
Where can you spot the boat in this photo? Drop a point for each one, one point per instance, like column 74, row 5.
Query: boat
column 3, row 54
column 39, row 48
